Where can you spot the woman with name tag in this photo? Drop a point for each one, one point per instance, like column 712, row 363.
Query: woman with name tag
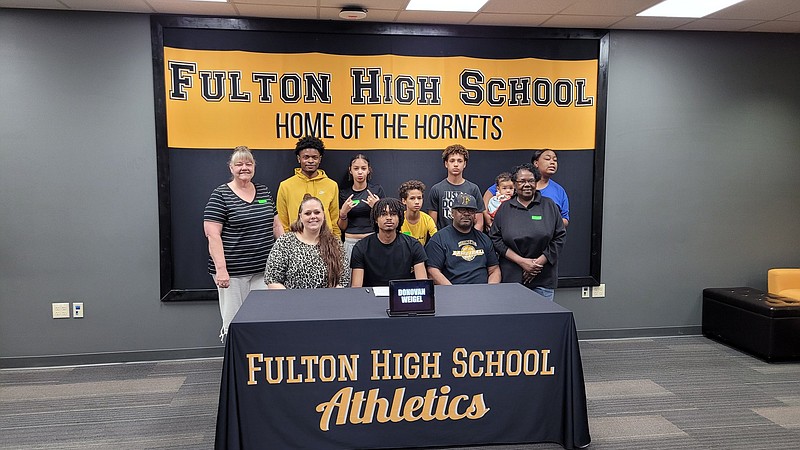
column 528, row 233
column 356, row 202
column 309, row 257
column 547, row 163
column 241, row 225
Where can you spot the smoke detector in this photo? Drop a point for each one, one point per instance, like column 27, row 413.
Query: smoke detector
column 352, row 13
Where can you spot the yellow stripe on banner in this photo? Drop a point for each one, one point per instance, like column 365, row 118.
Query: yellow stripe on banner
column 221, row 99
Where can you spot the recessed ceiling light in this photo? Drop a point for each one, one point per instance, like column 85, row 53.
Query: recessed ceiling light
column 687, row 8
column 446, row 5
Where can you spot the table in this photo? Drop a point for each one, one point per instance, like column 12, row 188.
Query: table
column 328, row 369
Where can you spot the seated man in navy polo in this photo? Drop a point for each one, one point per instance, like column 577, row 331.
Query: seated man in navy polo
column 460, row 254
column 387, row 254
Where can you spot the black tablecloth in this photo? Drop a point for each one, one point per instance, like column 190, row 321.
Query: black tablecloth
column 327, row 368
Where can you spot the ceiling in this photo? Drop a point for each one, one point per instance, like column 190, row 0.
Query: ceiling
column 771, row 16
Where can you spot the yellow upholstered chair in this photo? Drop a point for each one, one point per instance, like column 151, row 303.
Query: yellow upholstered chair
column 784, row 282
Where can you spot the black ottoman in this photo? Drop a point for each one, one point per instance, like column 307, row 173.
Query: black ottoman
column 742, row 318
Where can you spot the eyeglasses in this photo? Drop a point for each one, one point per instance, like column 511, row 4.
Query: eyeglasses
column 528, row 181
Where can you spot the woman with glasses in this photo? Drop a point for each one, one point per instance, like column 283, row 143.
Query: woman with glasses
column 528, row 233
column 546, row 161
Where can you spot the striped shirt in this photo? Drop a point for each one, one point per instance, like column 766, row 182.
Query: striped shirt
column 246, row 229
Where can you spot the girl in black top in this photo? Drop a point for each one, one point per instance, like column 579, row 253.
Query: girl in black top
column 357, row 201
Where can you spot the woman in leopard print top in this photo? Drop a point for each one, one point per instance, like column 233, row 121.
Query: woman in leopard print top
column 310, row 256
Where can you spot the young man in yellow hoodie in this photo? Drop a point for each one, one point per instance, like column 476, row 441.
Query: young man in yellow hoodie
column 309, row 179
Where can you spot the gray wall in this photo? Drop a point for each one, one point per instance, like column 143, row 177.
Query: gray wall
column 702, row 185
column 79, row 216
column 702, row 175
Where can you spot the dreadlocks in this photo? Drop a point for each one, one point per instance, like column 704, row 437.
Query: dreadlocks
column 389, row 206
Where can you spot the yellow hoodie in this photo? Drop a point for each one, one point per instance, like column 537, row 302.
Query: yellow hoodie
column 292, row 190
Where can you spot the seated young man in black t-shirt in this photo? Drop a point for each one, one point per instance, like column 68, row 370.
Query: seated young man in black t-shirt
column 387, row 254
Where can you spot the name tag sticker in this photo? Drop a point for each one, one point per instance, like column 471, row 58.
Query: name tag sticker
column 356, row 202
column 407, row 233
column 536, row 217
column 262, row 200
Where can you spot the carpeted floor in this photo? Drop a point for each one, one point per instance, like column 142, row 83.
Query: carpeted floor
column 666, row 393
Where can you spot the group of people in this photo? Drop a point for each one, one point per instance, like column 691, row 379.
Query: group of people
column 357, row 236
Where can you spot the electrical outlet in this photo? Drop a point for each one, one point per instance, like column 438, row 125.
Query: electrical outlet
column 77, row 310
column 599, row 291
column 60, row 310
column 585, row 292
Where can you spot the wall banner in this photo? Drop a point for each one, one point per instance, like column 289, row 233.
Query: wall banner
column 397, row 93
column 218, row 99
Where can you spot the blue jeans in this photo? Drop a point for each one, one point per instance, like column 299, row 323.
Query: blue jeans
column 545, row 292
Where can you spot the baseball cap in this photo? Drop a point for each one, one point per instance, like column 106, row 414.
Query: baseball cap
column 465, row 201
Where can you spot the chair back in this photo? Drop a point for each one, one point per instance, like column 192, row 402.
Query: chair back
column 783, row 279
